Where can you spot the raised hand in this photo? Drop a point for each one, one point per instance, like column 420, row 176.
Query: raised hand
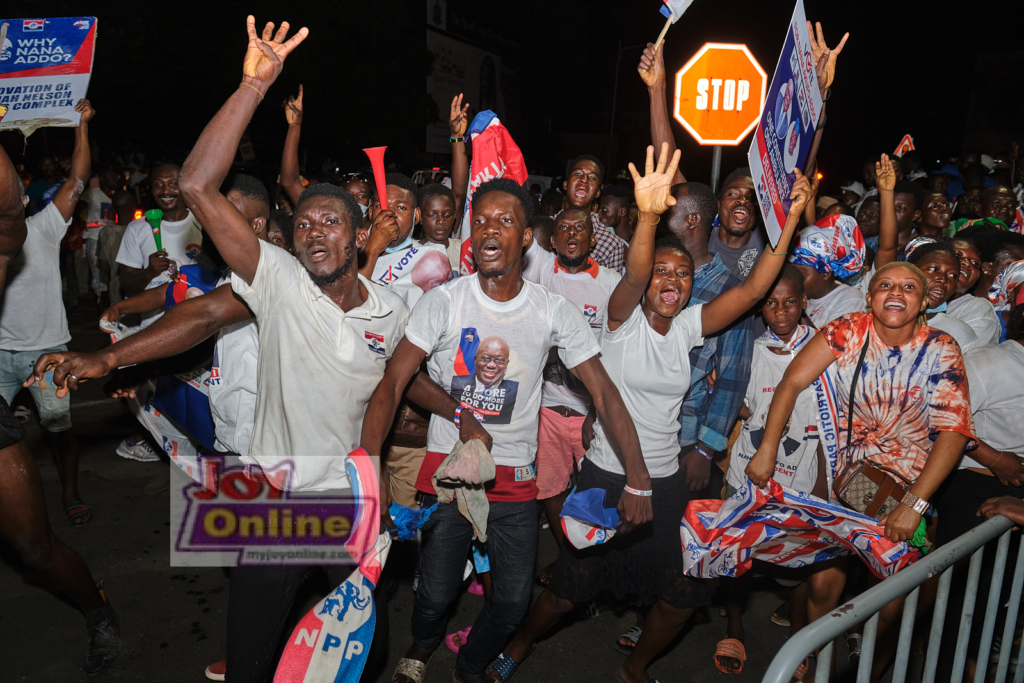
column 885, row 176
column 652, row 65
column 264, row 57
column 458, row 118
column 801, row 192
column 820, row 49
column 293, row 108
column 85, row 109
column 653, row 191
column 383, row 232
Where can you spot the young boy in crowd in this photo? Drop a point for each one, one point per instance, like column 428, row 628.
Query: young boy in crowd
column 613, row 210
column 798, row 464
column 437, row 213
column 909, row 199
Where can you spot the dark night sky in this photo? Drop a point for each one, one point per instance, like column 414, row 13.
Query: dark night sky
column 162, row 69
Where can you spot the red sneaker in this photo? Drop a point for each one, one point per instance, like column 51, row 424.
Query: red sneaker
column 217, row 670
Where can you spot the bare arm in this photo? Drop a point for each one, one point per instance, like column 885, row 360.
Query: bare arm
column 805, row 368
column 12, row 214
column 652, row 71
column 888, row 234
column 653, row 198
column 180, row 328
column 1005, row 465
column 380, row 412
column 724, row 309
column 458, row 123
column 210, row 160
column 145, row 300
column 81, row 164
column 618, row 425
column 290, row 156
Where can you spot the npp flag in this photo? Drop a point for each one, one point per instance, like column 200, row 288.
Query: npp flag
column 495, row 155
column 673, row 9
column 45, row 65
column 585, row 519
column 332, row 641
column 722, row 537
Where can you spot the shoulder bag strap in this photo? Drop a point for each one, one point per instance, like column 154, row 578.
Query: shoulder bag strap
column 853, row 390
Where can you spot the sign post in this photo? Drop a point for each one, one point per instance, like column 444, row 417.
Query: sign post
column 719, row 98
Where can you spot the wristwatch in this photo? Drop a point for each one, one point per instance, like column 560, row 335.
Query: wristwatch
column 914, row 503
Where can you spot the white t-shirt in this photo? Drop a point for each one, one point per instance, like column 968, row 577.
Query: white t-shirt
column 979, row 313
column 32, row 316
column 317, row 367
column 233, row 384
column 995, row 374
column 957, row 329
column 411, row 272
column 490, row 356
column 796, row 467
column 652, row 373
column 837, row 303
column 100, row 212
column 590, row 291
column 182, row 240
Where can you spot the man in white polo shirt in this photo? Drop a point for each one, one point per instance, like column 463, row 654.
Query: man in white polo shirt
column 325, row 334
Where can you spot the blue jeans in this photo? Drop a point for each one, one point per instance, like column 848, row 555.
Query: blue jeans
column 15, row 367
column 511, row 546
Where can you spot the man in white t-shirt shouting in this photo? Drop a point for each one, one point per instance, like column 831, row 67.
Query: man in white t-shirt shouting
column 451, row 327
column 143, row 266
column 573, row 273
column 325, row 334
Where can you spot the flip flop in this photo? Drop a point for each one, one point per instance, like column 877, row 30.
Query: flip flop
column 632, row 635
column 76, row 511
column 456, row 640
column 730, row 647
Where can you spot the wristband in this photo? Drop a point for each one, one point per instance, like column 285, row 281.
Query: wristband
column 645, row 217
column 637, row 492
column 914, row 503
column 458, row 416
column 254, row 88
column 451, row 139
column 700, row 450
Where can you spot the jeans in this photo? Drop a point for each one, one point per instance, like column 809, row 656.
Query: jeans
column 511, row 546
column 95, row 281
column 15, row 367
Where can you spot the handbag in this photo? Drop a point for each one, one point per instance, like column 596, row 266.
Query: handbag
column 866, row 487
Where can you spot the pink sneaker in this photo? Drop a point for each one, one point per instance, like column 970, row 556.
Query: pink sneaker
column 456, row 640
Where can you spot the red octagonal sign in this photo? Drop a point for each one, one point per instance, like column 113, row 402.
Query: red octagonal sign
column 720, row 94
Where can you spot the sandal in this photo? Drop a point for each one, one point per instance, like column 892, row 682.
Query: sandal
column 730, row 647
column 413, row 669
column 78, row 513
column 632, row 635
column 456, row 640
column 504, row 666
column 780, row 617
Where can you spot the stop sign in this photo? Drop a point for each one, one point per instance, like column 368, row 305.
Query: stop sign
column 720, row 94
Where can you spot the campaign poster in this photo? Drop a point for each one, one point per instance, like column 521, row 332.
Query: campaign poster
column 784, row 134
column 45, row 65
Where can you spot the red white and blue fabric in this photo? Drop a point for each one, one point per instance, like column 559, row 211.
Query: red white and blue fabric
column 722, row 538
column 674, row 8
column 586, row 521
column 1017, row 225
column 1010, row 278
column 833, row 244
column 332, row 641
column 495, row 155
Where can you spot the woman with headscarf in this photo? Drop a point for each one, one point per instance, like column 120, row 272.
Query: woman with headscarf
column 1008, row 284
column 828, row 252
column 910, row 414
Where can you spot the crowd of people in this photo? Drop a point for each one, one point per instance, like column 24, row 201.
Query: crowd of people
column 646, row 347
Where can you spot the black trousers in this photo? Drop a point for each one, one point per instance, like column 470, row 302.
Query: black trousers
column 957, row 503
column 259, row 602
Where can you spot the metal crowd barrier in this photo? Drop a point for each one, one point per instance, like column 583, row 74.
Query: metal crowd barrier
column 824, row 631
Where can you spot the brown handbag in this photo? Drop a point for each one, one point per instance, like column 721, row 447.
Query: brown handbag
column 410, row 427
column 865, row 487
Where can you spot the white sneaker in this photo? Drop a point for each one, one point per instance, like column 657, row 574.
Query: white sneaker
column 137, row 449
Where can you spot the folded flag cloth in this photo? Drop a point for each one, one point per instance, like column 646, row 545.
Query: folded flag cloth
column 585, row 519
column 834, row 244
column 408, row 521
column 722, row 537
column 462, row 476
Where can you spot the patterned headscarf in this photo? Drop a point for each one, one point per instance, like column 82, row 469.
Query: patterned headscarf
column 913, row 245
column 834, row 245
column 1011, row 277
